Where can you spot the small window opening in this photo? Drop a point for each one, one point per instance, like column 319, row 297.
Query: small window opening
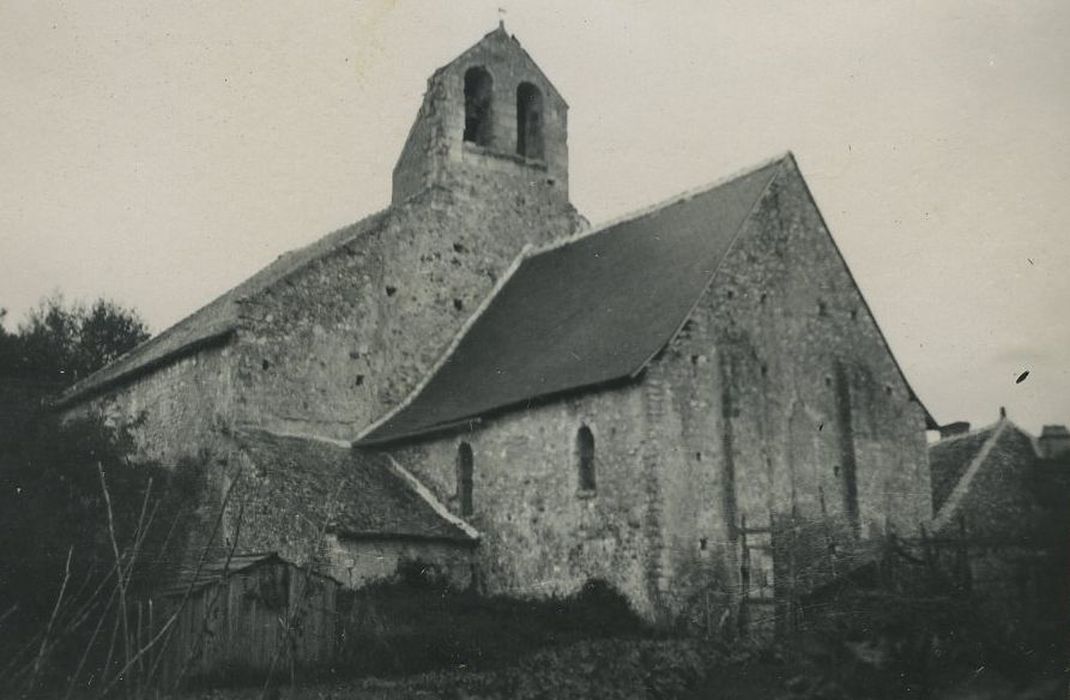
column 529, row 121
column 478, row 90
column 464, row 478
column 822, row 309
column 391, row 290
column 359, row 381
column 702, row 543
column 585, row 451
column 458, row 304
column 265, row 365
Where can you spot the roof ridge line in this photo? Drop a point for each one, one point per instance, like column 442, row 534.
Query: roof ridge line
column 428, row 497
column 972, row 433
column 449, row 349
column 361, row 227
column 656, row 206
column 98, row 378
column 959, row 492
column 717, row 268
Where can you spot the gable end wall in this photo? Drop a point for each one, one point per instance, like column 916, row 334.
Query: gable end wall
column 779, row 386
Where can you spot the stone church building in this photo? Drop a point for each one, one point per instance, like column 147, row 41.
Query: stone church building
column 475, row 379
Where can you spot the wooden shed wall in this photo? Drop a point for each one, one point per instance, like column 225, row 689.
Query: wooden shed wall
column 272, row 614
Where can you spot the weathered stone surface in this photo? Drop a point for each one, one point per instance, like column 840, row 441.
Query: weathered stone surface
column 541, row 533
column 357, row 563
column 777, row 411
column 436, row 155
column 179, row 410
column 345, row 339
column 777, row 400
column 780, row 387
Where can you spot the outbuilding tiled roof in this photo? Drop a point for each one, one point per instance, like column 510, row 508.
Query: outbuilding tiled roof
column 949, row 459
column 589, row 311
column 352, row 493
column 196, row 577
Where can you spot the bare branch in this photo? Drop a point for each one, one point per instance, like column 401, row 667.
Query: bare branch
column 118, row 561
column 39, row 661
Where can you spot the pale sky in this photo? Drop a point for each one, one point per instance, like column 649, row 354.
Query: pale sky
column 160, row 152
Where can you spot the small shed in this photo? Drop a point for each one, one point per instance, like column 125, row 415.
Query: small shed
column 247, row 614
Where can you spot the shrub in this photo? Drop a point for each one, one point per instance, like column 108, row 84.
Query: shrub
column 418, row 622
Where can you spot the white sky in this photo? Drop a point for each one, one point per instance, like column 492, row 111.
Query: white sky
column 159, row 152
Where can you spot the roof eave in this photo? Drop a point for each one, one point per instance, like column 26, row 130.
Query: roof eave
column 91, row 389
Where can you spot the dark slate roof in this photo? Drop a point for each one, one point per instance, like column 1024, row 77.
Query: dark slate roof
column 357, row 493
column 589, row 311
column 998, row 490
column 949, row 459
column 214, row 322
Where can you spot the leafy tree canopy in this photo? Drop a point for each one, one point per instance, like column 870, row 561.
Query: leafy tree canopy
column 66, row 342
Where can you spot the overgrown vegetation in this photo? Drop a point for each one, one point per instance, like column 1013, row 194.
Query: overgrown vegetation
column 418, row 622
column 915, row 629
column 64, row 341
column 83, row 530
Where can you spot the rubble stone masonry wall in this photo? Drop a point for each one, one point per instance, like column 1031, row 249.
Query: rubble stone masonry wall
column 179, row 410
column 783, row 407
column 542, row 534
column 778, row 402
column 343, row 340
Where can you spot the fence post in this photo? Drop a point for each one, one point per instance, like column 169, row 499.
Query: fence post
column 744, row 577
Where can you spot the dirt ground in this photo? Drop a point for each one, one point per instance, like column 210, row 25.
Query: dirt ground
column 659, row 669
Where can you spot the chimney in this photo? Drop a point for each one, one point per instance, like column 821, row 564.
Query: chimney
column 960, row 427
column 1054, row 441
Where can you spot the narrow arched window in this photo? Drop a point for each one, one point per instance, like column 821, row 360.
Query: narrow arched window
column 478, row 92
column 528, row 121
column 464, row 478
column 585, row 454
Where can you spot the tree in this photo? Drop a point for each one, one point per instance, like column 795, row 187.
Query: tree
column 67, row 342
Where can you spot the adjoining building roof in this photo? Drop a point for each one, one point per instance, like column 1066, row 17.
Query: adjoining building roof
column 214, row 322
column 958, row 464
column 950, row 458
column 195, row 578
column 352, row 493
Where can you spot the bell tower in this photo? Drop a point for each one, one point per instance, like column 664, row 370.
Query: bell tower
column 490, row 123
